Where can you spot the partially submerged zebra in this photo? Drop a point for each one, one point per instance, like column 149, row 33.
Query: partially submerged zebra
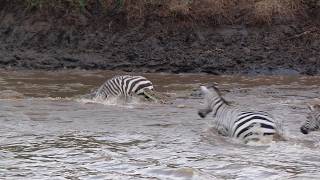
column 234, row 122
column 313, row 120
column 123, row 87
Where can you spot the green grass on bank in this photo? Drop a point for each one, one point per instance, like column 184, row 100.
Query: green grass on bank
column 220, row 11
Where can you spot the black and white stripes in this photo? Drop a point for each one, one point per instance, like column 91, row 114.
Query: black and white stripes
column 313, row 120
column 123, row 87
column 236, row 122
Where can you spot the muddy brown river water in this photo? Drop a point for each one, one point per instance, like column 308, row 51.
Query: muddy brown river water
column 48, row 132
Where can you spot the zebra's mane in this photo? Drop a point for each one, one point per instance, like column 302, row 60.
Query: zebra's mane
column 220, row 95
column 314, row 110
column 315, row 113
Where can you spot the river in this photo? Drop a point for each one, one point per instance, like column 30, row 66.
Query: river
column 48, row 132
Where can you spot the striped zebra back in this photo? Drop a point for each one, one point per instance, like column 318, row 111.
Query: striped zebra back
column 253, row 125
column 123, row 87
column 313, row 120
column 236, row 121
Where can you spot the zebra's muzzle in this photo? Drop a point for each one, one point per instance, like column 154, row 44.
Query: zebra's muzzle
column 303, row 130
column 201, row 114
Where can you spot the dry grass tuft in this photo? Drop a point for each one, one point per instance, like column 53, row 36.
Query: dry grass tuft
column 213, row 11
column 217, row 10
column 179, row 7
column 265, row 11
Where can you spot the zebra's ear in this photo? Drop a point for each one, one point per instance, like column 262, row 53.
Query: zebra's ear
column 316, row 107
column 310, row 107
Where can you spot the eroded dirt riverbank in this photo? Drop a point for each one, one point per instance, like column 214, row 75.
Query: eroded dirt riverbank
column 156, row 44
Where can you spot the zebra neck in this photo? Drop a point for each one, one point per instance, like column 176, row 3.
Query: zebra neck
column 317, row 117
column 218, row 106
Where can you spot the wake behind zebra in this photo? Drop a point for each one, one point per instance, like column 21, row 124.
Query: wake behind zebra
column 238, row 122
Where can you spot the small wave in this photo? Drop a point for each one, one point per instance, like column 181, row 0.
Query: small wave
column 56, row 98
column 213, row 137
column 180, row 173
column 290, row 147
column 10, row 94
column 3, row 82
column 263, row 141
column 115, row 101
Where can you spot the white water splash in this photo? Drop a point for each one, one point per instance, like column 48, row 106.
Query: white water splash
column 113, row 101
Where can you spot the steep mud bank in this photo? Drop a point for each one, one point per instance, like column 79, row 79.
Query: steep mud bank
column 52, row 41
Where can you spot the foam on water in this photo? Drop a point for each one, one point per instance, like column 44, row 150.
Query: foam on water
column 182, row 173
column 113, row 102
column 11, row 94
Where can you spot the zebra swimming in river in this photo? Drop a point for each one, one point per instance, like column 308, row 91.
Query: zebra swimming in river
column 123, row 87
column 313, row 120
column 238, row 123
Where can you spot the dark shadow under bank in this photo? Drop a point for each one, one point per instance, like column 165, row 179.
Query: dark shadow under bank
column 156, row 45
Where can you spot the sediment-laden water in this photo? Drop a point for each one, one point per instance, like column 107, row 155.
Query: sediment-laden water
column 48, row 132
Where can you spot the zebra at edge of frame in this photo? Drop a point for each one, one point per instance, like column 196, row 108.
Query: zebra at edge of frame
column 313, row 120
column 123, row 87
column 236, row 122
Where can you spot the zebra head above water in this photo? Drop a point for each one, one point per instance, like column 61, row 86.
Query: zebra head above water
column 213, row 100
column 313, row 120
column 236, row 121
